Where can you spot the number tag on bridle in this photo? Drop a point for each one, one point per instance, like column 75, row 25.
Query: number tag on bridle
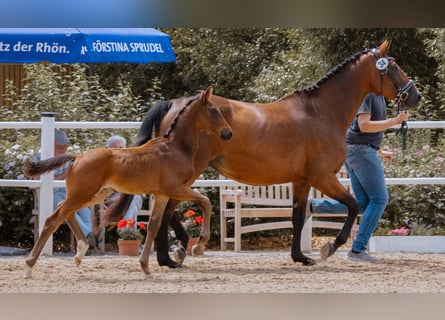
column 382, row 63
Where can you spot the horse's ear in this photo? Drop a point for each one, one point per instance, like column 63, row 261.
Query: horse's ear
column 383, row 48
column 207, row 94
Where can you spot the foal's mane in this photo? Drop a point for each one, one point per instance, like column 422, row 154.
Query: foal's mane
column 333, row 72
column 175, row 121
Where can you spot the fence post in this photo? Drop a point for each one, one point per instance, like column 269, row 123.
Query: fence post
column 47, row 188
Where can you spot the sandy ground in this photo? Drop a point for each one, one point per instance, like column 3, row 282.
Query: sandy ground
column 228, row 272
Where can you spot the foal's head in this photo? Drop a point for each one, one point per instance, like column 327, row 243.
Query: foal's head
column 389, row 80
column 201, row 114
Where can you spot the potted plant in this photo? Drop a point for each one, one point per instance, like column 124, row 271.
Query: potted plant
column 130, row 236
column 192, row 224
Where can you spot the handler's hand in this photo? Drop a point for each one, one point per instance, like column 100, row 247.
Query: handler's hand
column 384, row 154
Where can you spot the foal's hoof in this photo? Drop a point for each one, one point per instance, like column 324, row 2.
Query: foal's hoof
column 179, row 253
column 327, row 250
column 28, row 273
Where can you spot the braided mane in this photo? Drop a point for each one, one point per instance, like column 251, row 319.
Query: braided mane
column 333, row 72
column 175, row 121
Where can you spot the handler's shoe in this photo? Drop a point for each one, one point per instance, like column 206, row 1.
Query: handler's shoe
column 361, row 257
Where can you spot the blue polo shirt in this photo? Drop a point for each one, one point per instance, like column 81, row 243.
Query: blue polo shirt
column 376, row 106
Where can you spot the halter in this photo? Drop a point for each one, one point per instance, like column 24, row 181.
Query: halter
column 382, row 64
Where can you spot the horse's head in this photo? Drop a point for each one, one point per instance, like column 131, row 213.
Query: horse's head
column 390, row 81
column 211, row 117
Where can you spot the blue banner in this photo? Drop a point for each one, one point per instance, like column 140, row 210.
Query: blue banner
column 85, row 45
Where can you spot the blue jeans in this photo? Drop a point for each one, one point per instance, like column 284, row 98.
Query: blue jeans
column 368, row 183
column 83, row 216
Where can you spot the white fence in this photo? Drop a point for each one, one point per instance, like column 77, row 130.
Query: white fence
column 47, row 183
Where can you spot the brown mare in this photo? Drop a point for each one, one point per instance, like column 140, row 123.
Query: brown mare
column 299, row 138
column 161, row 166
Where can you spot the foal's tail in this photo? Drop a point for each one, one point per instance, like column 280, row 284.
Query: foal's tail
column 116, row 210
column 150, row 125
column 34, row 168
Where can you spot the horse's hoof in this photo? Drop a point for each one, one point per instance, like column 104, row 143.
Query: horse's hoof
column 327, row 250
column 196, row 251
column 28, row 273
column 306, row 261
column 169, row 263
column 145, row 270
column 309, row 262
column 179, row 253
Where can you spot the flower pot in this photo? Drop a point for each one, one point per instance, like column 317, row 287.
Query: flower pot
column 128, row 247
column 191, row 243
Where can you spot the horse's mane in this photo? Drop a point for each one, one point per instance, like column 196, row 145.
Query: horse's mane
column 152, row 122
column 175, row 120
column 333, row 72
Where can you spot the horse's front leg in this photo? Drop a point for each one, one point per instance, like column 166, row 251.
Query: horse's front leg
column 160, row 203
column 298, row 219
column 329, row 248
column 161, row 240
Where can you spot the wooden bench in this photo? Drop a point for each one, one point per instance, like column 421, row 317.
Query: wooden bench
column 274, row 201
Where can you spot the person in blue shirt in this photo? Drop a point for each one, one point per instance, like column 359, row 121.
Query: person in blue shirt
column 365, row 169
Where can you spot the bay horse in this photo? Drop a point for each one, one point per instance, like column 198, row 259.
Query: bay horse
column 162, row 166
column 299, row 138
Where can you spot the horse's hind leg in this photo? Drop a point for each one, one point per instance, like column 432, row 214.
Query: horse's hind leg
column 82, row 242
column 51, row 224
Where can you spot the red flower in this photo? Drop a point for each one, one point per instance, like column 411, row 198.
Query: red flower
column 141, row 226
column 198, row 220
column 131, row 222
column 189, row 213
column 122, row 224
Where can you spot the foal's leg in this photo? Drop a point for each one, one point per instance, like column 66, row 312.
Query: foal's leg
column 51, row 224
column 152, row 230
column 188, row 194
column 82, row 242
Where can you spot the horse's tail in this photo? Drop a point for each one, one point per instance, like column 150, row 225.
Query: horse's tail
column 34, row 168
column 152, row 122
column 116, row 210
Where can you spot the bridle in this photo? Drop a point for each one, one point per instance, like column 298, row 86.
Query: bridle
column 382, row 64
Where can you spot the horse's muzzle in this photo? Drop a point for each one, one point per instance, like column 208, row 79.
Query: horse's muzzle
column 226, row 134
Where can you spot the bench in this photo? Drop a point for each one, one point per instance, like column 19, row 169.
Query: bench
column 274, row 201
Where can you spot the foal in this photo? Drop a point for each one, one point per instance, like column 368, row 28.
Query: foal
column 163, row 166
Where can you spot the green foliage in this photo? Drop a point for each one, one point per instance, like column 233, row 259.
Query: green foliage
column 421, row 204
